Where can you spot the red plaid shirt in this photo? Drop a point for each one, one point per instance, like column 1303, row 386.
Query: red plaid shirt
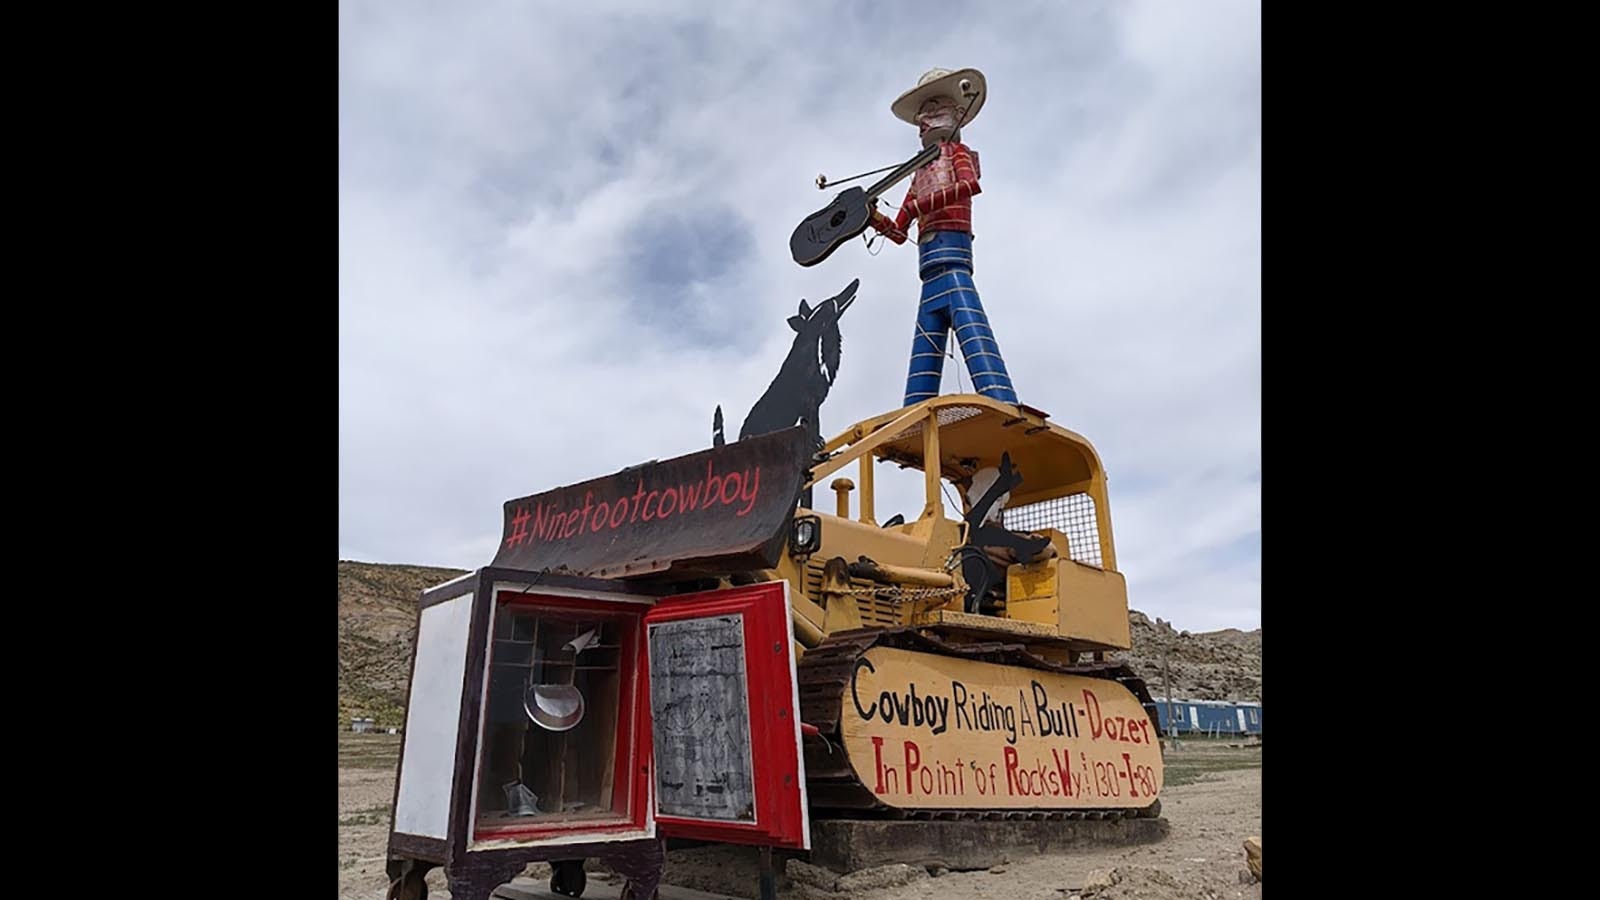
column 940, row 198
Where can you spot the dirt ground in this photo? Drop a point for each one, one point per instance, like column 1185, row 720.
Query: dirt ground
column 1212, row 799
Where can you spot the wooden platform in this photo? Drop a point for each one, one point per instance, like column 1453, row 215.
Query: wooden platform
column 529, row 889
column 848, row 846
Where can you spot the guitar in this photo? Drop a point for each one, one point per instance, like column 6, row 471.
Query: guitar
column 821, row 233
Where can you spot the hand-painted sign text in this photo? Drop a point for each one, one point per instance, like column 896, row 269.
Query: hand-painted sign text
column 971, row 734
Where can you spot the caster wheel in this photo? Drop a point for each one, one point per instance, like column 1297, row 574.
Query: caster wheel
column 567, row 878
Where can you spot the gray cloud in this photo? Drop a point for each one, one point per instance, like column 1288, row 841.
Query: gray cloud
column 563, row 240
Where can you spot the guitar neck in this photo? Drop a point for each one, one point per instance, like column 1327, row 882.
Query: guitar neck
column 913, row 164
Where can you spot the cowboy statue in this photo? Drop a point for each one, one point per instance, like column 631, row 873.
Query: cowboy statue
column 940, row 200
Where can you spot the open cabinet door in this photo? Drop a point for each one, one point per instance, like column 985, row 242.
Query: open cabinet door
column 725, row 725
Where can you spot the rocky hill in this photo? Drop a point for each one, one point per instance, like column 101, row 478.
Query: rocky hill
column 377, row 614
column 378, row 610
column 1207, row 665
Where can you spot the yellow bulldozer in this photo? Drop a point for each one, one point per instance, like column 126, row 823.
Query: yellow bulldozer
column 1006, row 680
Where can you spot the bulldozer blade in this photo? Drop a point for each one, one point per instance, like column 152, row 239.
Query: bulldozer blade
column 714, row 512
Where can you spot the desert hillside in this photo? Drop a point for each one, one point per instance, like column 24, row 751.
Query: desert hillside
column 1206, row 665
column 377, row 613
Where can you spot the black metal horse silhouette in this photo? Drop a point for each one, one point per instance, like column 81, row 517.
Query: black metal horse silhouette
column 802, row 383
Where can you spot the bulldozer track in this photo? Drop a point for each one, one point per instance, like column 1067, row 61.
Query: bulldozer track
column 824, row 672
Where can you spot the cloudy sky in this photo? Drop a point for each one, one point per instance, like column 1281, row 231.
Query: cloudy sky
column 563, row 240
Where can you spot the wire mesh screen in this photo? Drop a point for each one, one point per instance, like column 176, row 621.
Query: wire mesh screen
column 947, row 416
column 1072, row 515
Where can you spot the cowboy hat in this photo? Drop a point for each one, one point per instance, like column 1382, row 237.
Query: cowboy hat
column 959, row 86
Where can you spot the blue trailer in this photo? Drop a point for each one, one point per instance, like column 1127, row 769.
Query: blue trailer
column 1213, row 717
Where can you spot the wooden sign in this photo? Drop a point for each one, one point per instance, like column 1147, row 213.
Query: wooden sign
column 926, row 731
column 721, row 510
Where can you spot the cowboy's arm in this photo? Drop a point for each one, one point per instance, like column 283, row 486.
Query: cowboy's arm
column 965, row 187
column 896, row 230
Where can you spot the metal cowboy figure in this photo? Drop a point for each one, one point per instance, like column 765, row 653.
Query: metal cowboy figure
column 940, row 200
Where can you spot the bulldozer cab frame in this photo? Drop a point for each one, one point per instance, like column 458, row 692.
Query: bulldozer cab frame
column 1064, row 484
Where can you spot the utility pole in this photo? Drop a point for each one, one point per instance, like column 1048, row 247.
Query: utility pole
column 1166, row 682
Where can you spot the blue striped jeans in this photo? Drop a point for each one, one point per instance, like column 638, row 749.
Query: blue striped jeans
column 950, row 302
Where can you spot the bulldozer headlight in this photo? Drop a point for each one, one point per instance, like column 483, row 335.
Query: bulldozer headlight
column 806, row 536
